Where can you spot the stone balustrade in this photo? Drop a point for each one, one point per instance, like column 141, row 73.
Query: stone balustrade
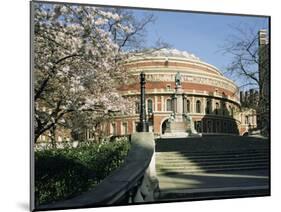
column 135, row 181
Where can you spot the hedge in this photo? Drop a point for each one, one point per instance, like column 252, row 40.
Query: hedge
column 64, row 173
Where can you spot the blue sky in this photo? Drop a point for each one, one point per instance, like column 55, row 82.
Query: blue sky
column 198, row 33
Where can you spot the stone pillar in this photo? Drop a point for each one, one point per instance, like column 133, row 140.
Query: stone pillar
column 204, row 105
column 193, row 105
column 184, row 105
column 179, row 105
column 174, row 104
column 163, row 108
column 155, row 103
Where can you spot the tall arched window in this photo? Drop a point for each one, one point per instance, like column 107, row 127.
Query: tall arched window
column 187, row 106
column 208, row 107
column 217, row 108
column 125, row 128
column 246, row 119
column 113, row 129
column 149, row 106
column 224, row 108
column 198, row 106
column 168, row 105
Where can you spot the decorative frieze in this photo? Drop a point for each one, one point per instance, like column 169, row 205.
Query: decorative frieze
column 193, row 79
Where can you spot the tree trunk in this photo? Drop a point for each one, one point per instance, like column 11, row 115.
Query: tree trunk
column 53, row 136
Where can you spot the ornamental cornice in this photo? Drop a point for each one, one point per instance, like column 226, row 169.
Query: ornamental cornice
column 189, row 77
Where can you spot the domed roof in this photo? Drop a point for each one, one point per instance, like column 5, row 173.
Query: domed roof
column 167, row 52
column 174, row 53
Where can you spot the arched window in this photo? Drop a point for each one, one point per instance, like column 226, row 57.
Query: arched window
column 149, row 106
column 187, row 106
column 113, row 129
column 208, row 107
column 168, row 105
column 217, row 108
column 246, row 119
column 125, row 128
column 198, row 106
column 223, row 109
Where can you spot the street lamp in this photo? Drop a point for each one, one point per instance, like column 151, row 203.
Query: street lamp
column 143, row 125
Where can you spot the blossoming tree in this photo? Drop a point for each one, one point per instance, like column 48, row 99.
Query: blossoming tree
column 77, row 54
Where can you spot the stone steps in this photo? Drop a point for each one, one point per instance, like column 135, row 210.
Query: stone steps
column 170, row 155
column 174, row 135
column 209, row 158
column 173, row 163
column 213, row 193
column 194, row 169
column 215, row 144
column 214, row 164
column 185, row 150
column 209, row 163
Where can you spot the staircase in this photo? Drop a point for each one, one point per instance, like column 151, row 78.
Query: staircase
column 212, row 167
column 187, row 162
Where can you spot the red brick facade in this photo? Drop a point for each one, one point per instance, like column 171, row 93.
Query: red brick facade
column 209, row 98
column 221, row 117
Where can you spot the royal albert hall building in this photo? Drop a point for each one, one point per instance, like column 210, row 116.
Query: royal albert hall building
column 208, row 98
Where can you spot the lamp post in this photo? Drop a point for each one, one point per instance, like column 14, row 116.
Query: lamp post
column 143, row 125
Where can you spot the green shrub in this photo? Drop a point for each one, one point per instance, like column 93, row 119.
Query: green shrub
column 63, row 173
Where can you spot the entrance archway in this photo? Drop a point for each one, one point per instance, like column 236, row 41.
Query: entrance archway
column 165, row 126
